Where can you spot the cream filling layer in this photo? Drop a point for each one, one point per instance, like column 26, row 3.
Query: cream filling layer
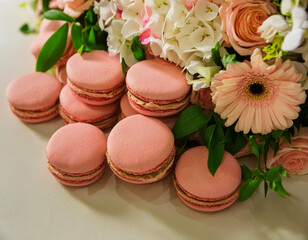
column 85, row 177
column 106, row 95
column 100, row 124
column 203, row 202
column 155, row 106
column 35, row 114
column 148, row 177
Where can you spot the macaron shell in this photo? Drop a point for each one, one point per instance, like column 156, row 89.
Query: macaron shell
column 153, row 113
column 157, row 79
column 82, row 111
column 33, row 91
column 126, row 108
column 201, row 184
column 138, row 144
column 38, row 120
column 77, row 148
column 206, row 209
column 85, row 183
column 95, row 70
column 61, row 74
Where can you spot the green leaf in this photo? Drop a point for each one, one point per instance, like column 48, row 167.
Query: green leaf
column 275, row 146
column 276, row 134
column 235, row 141
column 287, row 136
column 81, row 49
column 92, row 38
column 25, row 29
column 265, row 188
column 57, row 15
column 208, row 134
column 34, row 4
column 273, row 173
column 248, row 188
column 76, row 33
column 254, row 148
column 216, row 54
column 53, row 49
column 138, row 49
column 182, row 146
column 191, row 120
column 246, row 173
column 90, row 18
column 216, row 149
column 219, row 120
column 45, row 5
column 226, row 59
column 124, row 66
column 259, row 173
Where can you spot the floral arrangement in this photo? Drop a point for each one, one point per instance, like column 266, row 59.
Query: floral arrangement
column 246, row 60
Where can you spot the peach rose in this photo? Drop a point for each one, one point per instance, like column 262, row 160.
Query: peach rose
column 74, row 8
column 203, row 98
column 240, row 22
column 294, row 156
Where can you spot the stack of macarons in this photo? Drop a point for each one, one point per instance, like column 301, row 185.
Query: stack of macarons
column 88, row 92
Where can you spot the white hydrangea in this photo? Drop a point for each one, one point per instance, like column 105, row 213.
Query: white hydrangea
column 106, row 10
column 187, row 35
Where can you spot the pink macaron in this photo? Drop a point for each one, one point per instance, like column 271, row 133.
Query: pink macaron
column 157, row 88
column 76, row 154
column 61, row 74
column 127, row 110
column 34, row 97
column 196, row 186
column 140, row 149
column 96, row 77
column 73, row 110
column 47, row 29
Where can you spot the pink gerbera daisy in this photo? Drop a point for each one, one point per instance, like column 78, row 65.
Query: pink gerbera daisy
column 260, row 97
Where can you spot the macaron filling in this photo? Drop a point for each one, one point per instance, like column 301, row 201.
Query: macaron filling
column 157, row 106
column 151, row 175
column 99, row 95
column 36, row 114
column 102, row 123
column 206, row 203
column 73, row 178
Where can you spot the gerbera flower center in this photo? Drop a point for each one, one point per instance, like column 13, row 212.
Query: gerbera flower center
column 257, row 90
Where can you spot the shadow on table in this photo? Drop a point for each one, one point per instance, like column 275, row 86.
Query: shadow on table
column 46, row 129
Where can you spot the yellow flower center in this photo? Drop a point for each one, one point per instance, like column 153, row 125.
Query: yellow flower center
column 257, row 90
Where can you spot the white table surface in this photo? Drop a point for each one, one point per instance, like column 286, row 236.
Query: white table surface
column 34, row 206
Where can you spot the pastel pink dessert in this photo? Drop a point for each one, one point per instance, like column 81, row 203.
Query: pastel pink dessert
column 76, row 154
column 34, row 97
column 47, row 29
column 140, row 149
column 127, row 110
column 61, row 74
column 73, row 110
column 157, row 88
column 96, row 77
column 196, row 186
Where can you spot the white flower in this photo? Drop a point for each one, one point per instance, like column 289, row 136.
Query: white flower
column 115, row 38
column 287, row 5
column 294, row 38
column 300, row 67
column 272, row 25
column 106, row 11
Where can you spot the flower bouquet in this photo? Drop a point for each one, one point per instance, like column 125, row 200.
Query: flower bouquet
column 246, row 61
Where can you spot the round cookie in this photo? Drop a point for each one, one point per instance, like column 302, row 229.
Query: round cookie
column 73, row 110
column 157, row 88
column 196, row 186
column 140, row 149
column 96, row 77
column 76, row 154
column 34, row 97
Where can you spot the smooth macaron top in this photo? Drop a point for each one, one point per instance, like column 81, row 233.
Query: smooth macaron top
column 81, row 110
column 193, row 176
column 95, row 70
column 157, row 79
column 33, row 91
column 77, row 148
column 139, row 144
column 126, row 108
